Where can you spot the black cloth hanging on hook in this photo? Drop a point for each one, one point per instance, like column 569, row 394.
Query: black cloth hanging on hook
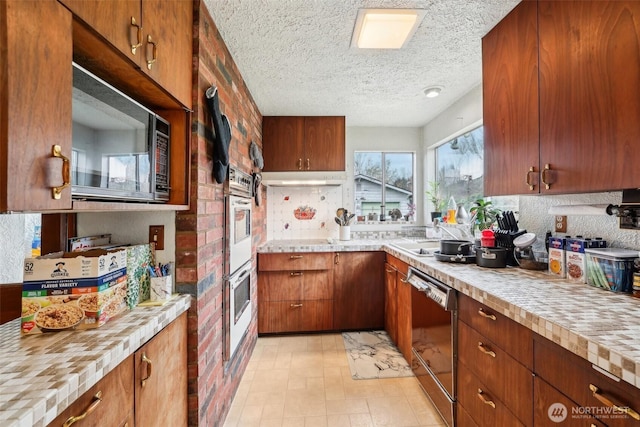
column 222, row 130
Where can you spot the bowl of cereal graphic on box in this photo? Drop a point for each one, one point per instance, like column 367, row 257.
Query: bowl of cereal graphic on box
column 90, row 304
column 57, row 317
column 29, row 309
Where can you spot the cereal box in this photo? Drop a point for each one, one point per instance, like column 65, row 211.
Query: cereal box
column 73, row 290
column 557, row 257
column 575, row 260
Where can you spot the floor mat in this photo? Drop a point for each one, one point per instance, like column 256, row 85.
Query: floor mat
column 371, row 355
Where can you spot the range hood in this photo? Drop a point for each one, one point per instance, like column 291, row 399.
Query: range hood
column 301, row 179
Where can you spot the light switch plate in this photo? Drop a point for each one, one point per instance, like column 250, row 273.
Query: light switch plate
column 156, row 235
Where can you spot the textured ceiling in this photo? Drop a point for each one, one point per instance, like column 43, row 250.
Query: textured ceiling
column 296, row 59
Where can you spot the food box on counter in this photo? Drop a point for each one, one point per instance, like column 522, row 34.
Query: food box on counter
column 557, row 256
column 611, row 268
column 73, row 290
column 139, row 258
column 575, row 258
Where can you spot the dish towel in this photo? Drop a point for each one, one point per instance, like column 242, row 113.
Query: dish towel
column 222, row 130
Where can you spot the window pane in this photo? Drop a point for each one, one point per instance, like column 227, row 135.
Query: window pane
column 399, row 184
column 368, row 178
column 460, row 167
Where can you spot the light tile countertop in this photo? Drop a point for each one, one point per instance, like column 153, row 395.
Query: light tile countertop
column 600, row 326
column 40, row 375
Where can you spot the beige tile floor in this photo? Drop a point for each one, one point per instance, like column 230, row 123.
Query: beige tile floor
column 304, row 381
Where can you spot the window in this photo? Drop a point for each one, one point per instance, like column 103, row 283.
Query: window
column 128, row 172
column 460, row 167
column 395, row 197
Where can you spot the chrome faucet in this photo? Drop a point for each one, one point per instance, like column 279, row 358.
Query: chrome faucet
column 437, row 227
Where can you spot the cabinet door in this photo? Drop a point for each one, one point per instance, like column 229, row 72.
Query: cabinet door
column 359, row 290
column 390, row 302
column 510, row 103
column 35, row 104
column 589, row 86
column 282, row 143
column 168, row 29
column 551, row 405
column 113, row 20
column 324, row 143
column 161, row 377
column 114, row 407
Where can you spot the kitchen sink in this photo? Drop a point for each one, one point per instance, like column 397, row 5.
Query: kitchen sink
column 417, row 247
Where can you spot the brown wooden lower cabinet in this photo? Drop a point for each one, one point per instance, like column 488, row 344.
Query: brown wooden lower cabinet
column 295, row 316
column 550, row 407
column 484, row 408
column 588, row 386
column 358, row 290
column 161, row 377
column 149, row 388
column 463, row 419
column 404, row 316
column 108, row 403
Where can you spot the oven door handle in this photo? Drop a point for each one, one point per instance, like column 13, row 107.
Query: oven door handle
column 241, row 202
column 242, row 276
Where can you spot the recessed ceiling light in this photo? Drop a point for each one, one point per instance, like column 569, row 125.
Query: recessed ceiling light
column 385, row 28
column 432, row 92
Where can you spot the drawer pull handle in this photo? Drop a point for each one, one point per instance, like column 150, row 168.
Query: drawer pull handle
column 154, row 52
column 96, row 401
column 527, row 180
column 146, row 360
column 336, row 259
column 296, row 257
column 486, row 350
column 484, row 400
column 138, row 28
column 404, row 280
column 56, row 192
column 605, row 400
column 482, row 313
column 296, row 305
column 308, row 164
column 547, row 169
column 389, row 271
column 299, row 164
column 296, row 273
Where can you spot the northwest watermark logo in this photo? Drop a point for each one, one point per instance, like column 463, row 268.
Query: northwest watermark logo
column 557, row 412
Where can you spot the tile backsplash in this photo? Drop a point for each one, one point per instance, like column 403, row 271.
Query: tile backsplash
column 303, row 212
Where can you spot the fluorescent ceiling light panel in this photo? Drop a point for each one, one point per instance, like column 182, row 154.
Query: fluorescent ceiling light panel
column 385, row 28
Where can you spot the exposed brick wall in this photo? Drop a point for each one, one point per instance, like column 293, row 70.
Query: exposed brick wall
column 200, row 231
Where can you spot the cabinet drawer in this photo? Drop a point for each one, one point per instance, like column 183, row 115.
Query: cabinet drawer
column 399, row 265
column 507, row 334
column 295, row 316
column 295, row 261
column 481, row 404
column 509, row 380
column 545, row 396
column 574, row 376
column 463, row 419
column 295, row 285
column 117, row 400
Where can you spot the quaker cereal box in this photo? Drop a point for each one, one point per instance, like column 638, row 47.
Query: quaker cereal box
column 73, row 290
column 575, row 260
column 556, row 257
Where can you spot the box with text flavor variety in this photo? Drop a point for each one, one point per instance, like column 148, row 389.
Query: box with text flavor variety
column 73, row 290
column 557, row 256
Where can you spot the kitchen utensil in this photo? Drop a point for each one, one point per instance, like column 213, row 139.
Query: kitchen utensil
column 349, row 218
column 491, row 257
column 455, row 247
column 340, row 212
column 457, row 258
column 338, row 221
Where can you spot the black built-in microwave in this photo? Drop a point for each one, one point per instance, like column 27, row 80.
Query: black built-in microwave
column 120, row 149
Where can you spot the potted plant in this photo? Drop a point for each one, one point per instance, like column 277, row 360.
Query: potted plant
column 483, row 215
column 436, row 199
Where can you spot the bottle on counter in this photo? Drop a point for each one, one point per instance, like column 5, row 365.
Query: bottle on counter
column 452, row 207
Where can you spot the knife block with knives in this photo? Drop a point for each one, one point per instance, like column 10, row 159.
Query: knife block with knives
column 508, row 230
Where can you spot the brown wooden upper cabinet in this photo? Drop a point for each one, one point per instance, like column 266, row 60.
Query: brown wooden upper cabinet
column 35, row 104
column 303, row 143
column 154, row 34
column 560, row 85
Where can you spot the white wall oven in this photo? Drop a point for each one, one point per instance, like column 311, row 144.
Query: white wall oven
column 237, row 291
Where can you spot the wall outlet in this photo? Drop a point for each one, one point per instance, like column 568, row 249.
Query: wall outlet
column 561, row 223
column 156, row 235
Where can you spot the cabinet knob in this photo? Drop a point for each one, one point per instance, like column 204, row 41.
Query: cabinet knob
column 138, row 42
column 606, row 401
column 56, row 192
column 486, row 315
column 481, row 396
column 154, row 52
column 146, row 360
column 97, row 398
